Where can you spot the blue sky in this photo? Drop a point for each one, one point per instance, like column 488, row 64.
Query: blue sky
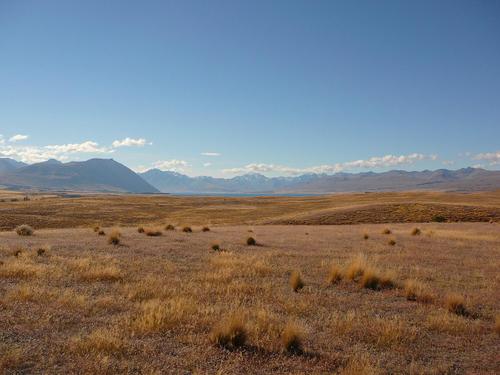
column 229, row 87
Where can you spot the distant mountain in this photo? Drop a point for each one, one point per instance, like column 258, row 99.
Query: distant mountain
column 94, row 175
column 8, row 165
column 466, row 179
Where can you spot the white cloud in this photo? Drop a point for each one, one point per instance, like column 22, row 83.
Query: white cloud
column 448, row 162
column 84, row 147
column 210, row 154
column 493, row 158
column 173, row 165
column 371, row 163
column 2, row 141
column 129, row 142
column 207, row 164
column 18, row 137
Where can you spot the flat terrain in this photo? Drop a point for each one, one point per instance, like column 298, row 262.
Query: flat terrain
column 152, row 304
column 45, row 211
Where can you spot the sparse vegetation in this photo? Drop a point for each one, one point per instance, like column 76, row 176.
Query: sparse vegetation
column 24, row 230
column 391, row 242
column 205, row 229
column 101, row 232
column 251, row 241
column 114, row 237
column 187, row 230
column 416, row 291
column 416, row 232
column 335, row 274
column 140, row 229
column 386, row 231
column 375, row 280
column 169, row 227
column 356, row 268
column 296, row 281
column 231, row 332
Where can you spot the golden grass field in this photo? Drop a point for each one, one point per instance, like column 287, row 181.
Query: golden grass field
column 314, row 299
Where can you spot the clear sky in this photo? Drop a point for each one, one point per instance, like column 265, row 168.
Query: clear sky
column 228, row 87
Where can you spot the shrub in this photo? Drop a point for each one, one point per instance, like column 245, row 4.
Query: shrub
column 187, row 230
column 169, row 227
column 24, row 230
column 386, row 231
column 416, row 291
column 215, row 247
column 416, row 232
column 438, row 219
column 365, row 236
column 230, row 333
column 205, row 229
column 153, row 232
column 251, row 241
column 296, row 281
column 292, row 338
column 114, row 237
column 41, row 251
column 101, row 233
column 391, row 242
column 455, row 304
column 335, row 274
column 140, row 230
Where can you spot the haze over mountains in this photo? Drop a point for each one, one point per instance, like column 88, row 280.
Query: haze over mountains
column 107, row 175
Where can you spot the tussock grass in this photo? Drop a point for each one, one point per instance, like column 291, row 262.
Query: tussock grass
column 24, row 230
column 386, row 231
column 157, row 315
column 455, row 304
column 292, row 338
column 169, row 227
column 296, row 281
column 251, row 241
column 374, row 279
column 366, row 236
column 99, row 341
column 416, row 291
column 335, row 274
column 21, row 268
column 151, row 232
column 114, row 237
column 446, row 322
column 416, row 232
column 90, row 271
column 205, row 229
column 231, row 332
column 187, row 230
column 356, row 268
column 140, row 229
column 215, row 247
column 391, row 242
column 101, row 233
column 96, row 228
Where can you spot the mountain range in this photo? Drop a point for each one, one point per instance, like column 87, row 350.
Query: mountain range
column 107, row 175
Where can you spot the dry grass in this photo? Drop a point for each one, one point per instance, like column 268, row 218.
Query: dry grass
column 356, row 268
column 497, row 324
column 169, row 227
column 296, row 281
column 374, row 279
column 386, row 231
column 391, row 242
column 24, row 230
column 416, row 232
column 292, row 338
column 335, row 274
column 140, row 229
column 216, row 247
column 187, row 230
column 231, row 332
column 205, row 229
column 416, row 291
column 366, row 236
column 99, row 341
column 101, row 233
column 114, row 237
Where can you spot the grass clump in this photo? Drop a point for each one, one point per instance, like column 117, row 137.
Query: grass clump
column 356, row 268
column 230, row 333
column 114, row 237
column 386, row 231
column 41, row 251
column 205, row 229
column 216, row 247
column 251, row 241
column 391, row 242
column 187, row 230
column 292, row 339
column 169, row 227
column 438, row 219
column 366, row 236
column 140, row 229
column 335, row 274
column 296, row 281
column 101, row 233
column 455, row 304
column 375, row 280
column 153, row 232
column 416, row 291
column 416, row 232
column 96, row 228
column 24, row 230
